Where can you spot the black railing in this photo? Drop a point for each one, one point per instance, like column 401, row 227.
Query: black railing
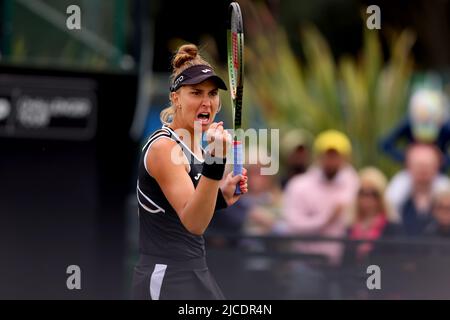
column 267, row 267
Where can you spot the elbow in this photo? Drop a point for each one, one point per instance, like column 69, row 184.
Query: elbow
column 196, row 231
column 193, row 224
column 194, row 228
column 302, row 228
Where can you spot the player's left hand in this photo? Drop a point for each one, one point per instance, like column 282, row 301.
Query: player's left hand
column 228, row 186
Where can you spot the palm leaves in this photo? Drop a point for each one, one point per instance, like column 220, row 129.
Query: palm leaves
column 363, row 96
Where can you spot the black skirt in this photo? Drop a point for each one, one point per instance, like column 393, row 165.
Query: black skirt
column 158, row 278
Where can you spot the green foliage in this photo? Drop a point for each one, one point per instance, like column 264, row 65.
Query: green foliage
column 362, row 96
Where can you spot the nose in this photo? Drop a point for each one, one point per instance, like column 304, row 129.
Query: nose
column 207, row 101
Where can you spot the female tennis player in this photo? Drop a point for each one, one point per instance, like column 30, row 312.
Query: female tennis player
column 180, row 185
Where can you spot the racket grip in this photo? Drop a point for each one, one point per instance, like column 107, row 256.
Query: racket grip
column 238, row 163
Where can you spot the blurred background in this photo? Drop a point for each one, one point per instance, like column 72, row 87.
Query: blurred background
column 364, row 132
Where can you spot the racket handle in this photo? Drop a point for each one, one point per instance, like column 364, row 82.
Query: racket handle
column 238, row 163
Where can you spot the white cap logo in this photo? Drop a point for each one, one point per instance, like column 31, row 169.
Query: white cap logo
column 206, row 70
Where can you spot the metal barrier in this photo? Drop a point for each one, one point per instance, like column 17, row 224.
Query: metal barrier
column 266, row 267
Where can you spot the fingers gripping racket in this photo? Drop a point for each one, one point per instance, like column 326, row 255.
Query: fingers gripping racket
column 235, row 72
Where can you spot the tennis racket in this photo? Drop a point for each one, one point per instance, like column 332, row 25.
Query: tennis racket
column 235, row 44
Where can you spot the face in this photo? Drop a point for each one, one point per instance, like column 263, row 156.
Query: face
column 368, row 200
column 423, row 164
column 199, row 103
column 331, row 161
column 298, row 160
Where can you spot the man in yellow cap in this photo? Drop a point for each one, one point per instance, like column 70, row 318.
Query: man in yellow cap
column 315, row 201
column 334, row 150
column 314, row 205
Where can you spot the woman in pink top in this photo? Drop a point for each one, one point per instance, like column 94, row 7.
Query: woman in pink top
column 371, row 217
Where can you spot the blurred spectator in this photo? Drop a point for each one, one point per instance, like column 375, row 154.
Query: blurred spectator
column 440, row 225
column 400, row 186
column 295, row 153
column 228, row 221
column 263, row 211
column 257, row 212
column 436, row 252
column 315, row 201
column 371, row 217
column 263, row 202
column 422, row 163
column 427, row 123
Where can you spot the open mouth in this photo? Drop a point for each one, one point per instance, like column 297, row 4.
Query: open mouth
column 203, row 117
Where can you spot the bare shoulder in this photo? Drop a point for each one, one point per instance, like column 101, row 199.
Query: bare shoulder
column 164, row 154
column 162, row 146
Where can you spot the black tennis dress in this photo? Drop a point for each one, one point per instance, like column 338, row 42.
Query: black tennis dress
column 172, row 261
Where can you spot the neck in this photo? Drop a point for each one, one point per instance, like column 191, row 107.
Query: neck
column 368, row 215
column 422, row 188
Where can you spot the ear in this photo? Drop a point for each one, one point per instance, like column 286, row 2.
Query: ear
column 175, row 98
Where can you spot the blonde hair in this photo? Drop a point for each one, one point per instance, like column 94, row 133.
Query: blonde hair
column 378, row 181
column 186, row 56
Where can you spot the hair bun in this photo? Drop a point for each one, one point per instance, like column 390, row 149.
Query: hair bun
column 185, row 53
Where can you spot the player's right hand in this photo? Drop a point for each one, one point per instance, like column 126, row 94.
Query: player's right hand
column 219, row 140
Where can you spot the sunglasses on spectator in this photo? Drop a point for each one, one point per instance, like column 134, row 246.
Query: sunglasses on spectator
column 368, row 193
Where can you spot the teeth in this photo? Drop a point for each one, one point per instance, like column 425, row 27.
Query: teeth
column 204, row 115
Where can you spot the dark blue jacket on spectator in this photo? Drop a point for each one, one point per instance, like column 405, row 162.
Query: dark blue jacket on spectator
column 414, row 222
column 390, row 144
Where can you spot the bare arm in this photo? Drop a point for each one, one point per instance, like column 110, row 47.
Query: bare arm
column 194, row 206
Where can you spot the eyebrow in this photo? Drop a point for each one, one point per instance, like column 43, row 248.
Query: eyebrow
column 198, row 89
